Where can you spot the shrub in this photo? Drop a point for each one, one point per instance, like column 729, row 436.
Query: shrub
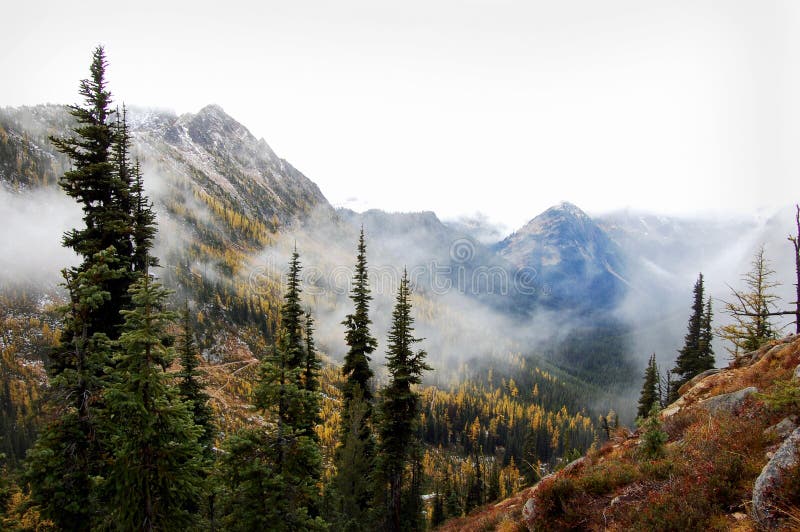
column 605, row 478
column 681, row 506
column 553, row 496
column 784, row 397
column 654, row 437
column 658, row 469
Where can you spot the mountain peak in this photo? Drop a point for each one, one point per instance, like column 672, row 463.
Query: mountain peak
column 564, row 215
column 213, row 109
column 566, row 208
column 568, row 250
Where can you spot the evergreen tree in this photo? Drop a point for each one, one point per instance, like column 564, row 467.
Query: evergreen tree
column 356, row 453
column 273, row 473
column 191, row 389
column 292, row 317
column 706, row 358
column 144, row 224
column 253, row 497
column 359, row 340
column 685, row 365
column 696, row 355
column 665, row 388
column 156, row 471
column 400, row 411
column 193, row 393
column 653, row 437
column 71, row 453
column 100, row 183
column 122, row 182
column 351, row 490
column 60, row 467
column 649, row 395
column 310, row 384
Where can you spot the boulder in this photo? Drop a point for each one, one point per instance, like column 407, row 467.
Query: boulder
column 574, row 465
column 697, row 378
column 764, row 509
column 797, row 372
column 727, row 402
column 782, row 429
column 529, row 510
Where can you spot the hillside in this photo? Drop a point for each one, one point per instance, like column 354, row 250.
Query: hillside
column 731, row 462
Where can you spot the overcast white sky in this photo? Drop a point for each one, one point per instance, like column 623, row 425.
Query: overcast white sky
column 500, row 107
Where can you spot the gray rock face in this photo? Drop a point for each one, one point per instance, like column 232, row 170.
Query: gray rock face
column 771, row 478
column 728, row 402
column 782, row 429
column 797, row 372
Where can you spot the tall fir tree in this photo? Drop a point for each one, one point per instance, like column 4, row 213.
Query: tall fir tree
column 696, row 355
column 649, row 395
column 99, row 182
column 121, row 183
column 355, row 455
column 360, row 342
column 156, row 473
column 292, row 316
column 351, row 491
column 71, row 452
column 311, row 386
column 705, row 353
column 273, row 474
column 144, row 224
column 399, row 440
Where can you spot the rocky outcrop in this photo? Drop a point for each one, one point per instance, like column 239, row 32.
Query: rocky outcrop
column 782, row 429
column 529, row 509
column 727, row 402
column 765, row 503
column 771, row 350
column 697, row 378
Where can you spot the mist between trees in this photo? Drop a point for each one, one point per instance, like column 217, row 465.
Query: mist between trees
column 435, row 278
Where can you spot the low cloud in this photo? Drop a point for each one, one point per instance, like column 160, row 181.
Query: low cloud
column 31, row 233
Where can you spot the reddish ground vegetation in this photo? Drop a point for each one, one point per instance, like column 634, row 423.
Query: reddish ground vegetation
column 703, row 481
